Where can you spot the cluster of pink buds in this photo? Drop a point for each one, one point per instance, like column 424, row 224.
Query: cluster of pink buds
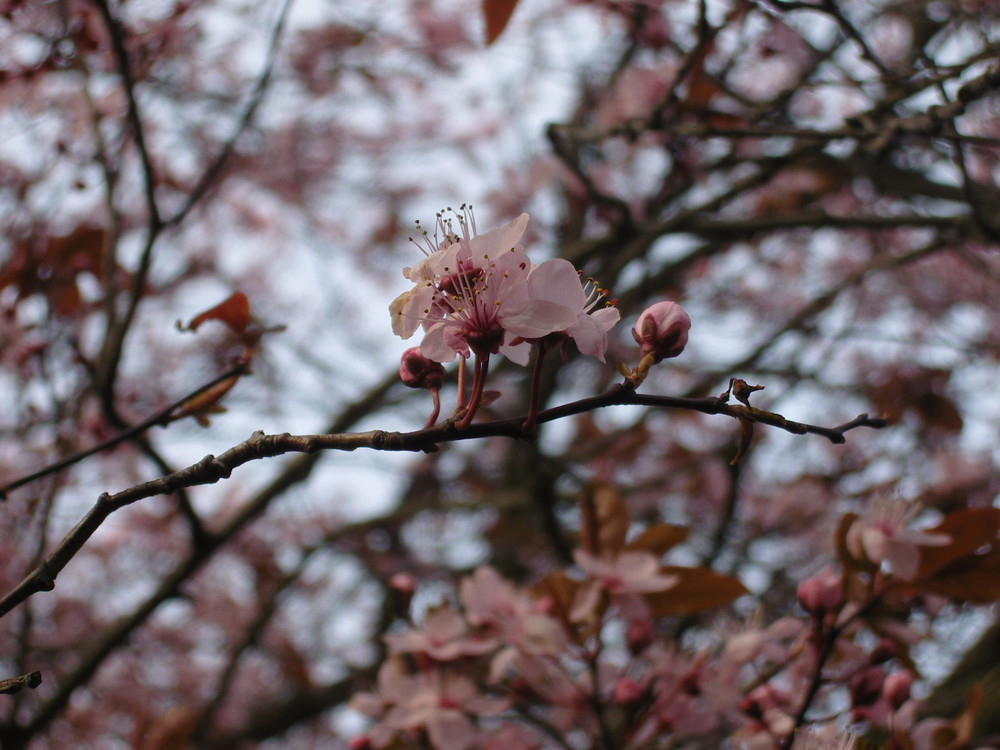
column 480, row 294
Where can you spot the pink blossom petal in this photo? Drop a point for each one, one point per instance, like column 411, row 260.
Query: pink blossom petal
column 500, row 240
column 434, row 346
column 450, row 730
column 558, row 281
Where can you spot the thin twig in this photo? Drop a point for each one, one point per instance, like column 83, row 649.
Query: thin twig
column 162, row 418
column 214, row 169
column 16, row 684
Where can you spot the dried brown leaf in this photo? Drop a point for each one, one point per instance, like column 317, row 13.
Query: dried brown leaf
column 496, row 14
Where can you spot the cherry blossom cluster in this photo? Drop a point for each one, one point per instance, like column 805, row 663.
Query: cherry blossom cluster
column 588, row 653
column 480, row 294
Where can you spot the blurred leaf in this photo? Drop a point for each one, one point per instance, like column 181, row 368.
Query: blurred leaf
column 205, row 403
column 920, row 392
column 969, row 529
column 234, row 312
column 697, row 590
column 496, row 14
column 746, row 436
column 659, row 538
column 172, row 730
column 604, row 519
column 701, row 87
column 973, row 579
column 560, row 593
column 52, row 268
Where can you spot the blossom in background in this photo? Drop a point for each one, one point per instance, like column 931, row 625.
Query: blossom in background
column 624, row 576
column 437, row 701
column 445, row 636
column 507, row 615
column 822, row 593
column 882, row 536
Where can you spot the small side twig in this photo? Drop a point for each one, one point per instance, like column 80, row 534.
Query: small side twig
column 31, row 680
column 162, row 417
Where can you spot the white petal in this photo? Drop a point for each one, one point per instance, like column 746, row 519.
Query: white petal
column 557, row 280
column 434, row 347
column 498, row 241
column 591, row 339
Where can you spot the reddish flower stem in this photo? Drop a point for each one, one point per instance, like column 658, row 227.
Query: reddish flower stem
column 478, row 381
column 461, row 384
column 432, row 419
column 531, row 421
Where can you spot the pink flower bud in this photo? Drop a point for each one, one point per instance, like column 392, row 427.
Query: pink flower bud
column 822, row 593
column 639, row 635
column 897, row 688
column 627, row 691
column 405, row 585
column 662, row 330
column 417, row 371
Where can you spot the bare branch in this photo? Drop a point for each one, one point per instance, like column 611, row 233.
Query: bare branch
column 211, row 469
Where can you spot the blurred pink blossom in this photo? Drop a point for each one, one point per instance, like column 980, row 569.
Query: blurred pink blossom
column 445, row 636
column 882, row 536
column 438, row 701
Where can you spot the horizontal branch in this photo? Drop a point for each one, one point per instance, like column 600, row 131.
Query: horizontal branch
column 211, row 469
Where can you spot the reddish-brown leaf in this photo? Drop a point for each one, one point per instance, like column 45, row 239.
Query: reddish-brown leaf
column 697, row 590
column 922, row 393
column 746, row 436
column 205, row 403
column 496, row 14
column 969, row 529
column 52, row 267
column 659, row 538
column 559, row 592
column 171, row 731
column 973, row 579
column 234, row 311
column 847, row 560
column 603, row 519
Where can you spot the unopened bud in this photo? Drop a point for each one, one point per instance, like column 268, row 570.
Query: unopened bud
column 662, row 331
column 639, row 635
column 822, row 593
column 627, row 691
column 404, row 583
column 417, row 371
column 897, row 688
